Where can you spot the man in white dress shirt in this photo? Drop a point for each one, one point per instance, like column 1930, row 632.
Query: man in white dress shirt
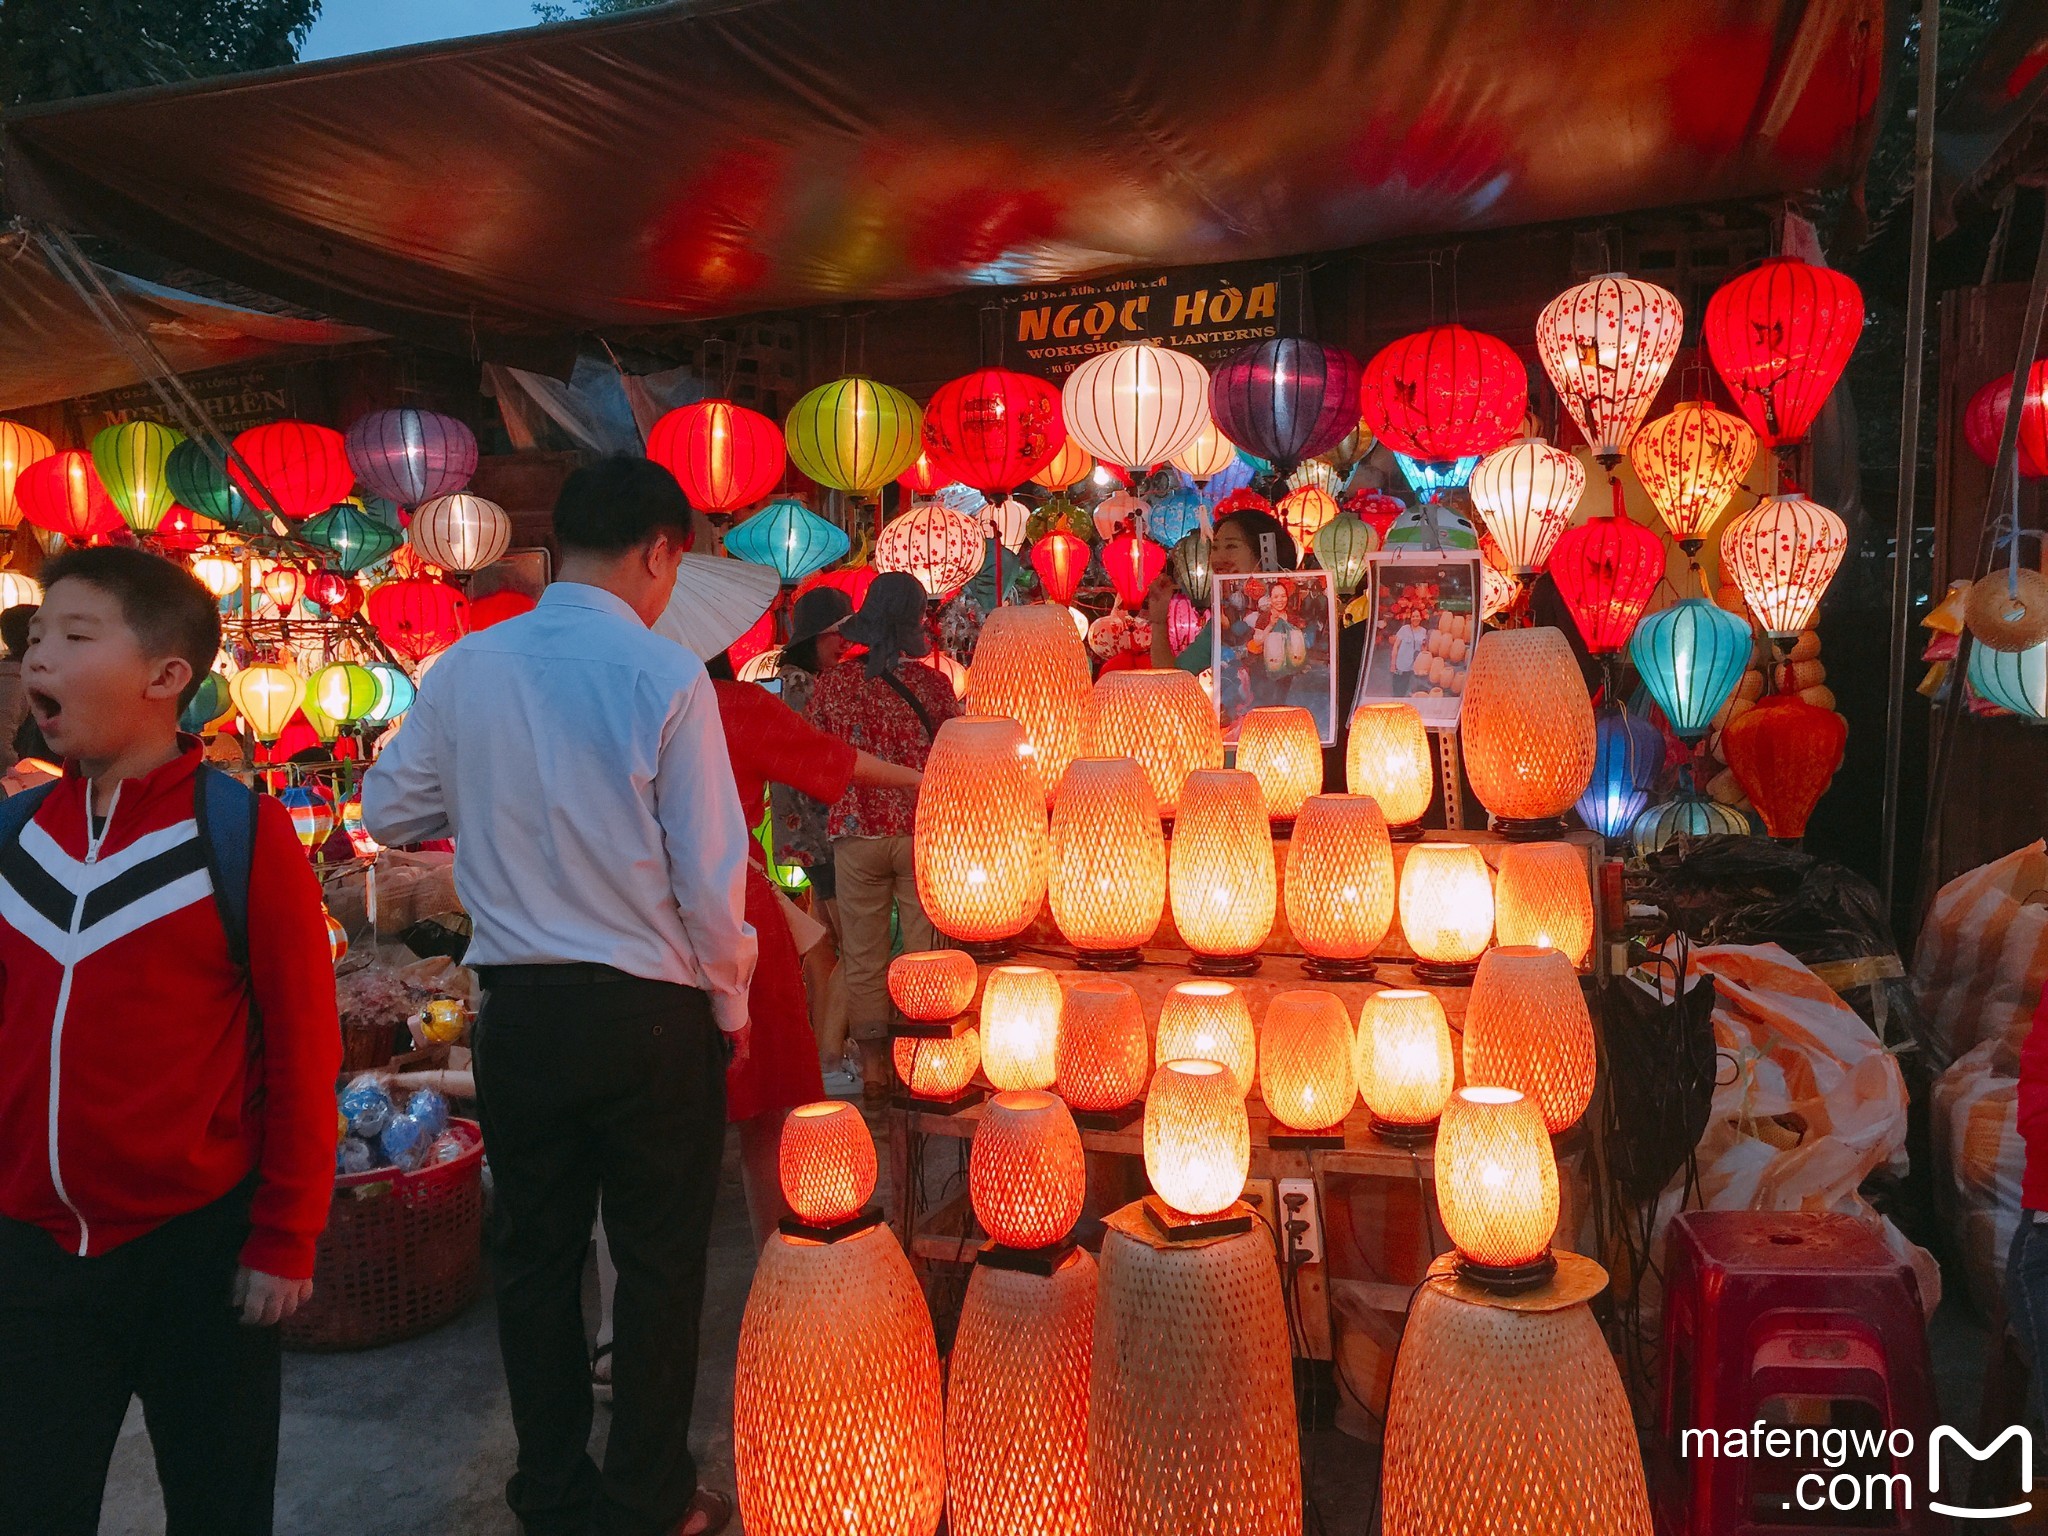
column 576, row 759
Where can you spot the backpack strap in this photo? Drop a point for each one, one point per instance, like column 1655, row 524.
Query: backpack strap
column 931, row 732
column 225, row 810
column 17, row 811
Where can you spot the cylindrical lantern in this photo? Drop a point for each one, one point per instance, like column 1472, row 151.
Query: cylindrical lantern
column 1281, row 748
column 1286, row 399
column 1445, row 394
column 1607, row 345
column 1197, row 1139
column 854, row 435
column 1691, row 461
column 1690, row 656
column 1780, row 335
column 19, row 447
column 303, row 468
column 1138, row 405
column 1220, row 871
column 827, row 1163
column 1404, row 1064
column 1305, row 1066
column 1132, row 562
column 980, row 841
column 1527, row 1027
column 1025, row 1175
column 1542, row 896
column 942, row 548
column 267, row 696
column 130, row 457
column 1104, row 1052
column 939, row 1069
column 1020, row 1027
column 1340, row 884
column 1209, row 1021
column 995, row 427
column 460, row 532
column 1607, row 570
column 929, row 985
column 1496, row 1183
column 1782, row 553
column 62, row 494
column 1527, row 492
column 1161, row 719
column 1030, row 665
column 1628, row 752
column 789, row 536
column 1108, row 862
column 1528, row 729
column 1388, row 758
column 1784, row 754
column 409, row 456
column 1446, row 909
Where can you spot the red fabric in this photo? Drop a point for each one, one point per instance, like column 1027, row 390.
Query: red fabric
column 871, row 715
column 2033, row 1111
column 157, row 1114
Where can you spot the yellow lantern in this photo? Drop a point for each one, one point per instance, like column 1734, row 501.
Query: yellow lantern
column 1221, row 877
column 1388, row 758
column 19, row 447
column 1197, row 1139
column 1281, row 748
column 1446, row 910
column 1692, row 461
column 1020, row 1027
column 1527, row 1026
column 1528, row 729
column 267, row 695
column 1404, row 1062
column 1340, row 885
column 17, row 590
column 1030, row 665
column 1068, row 467
column 1496, row 1185
column 1304, row 513
column 1543, row 896
column 1207, row 456
column 1108, row 862
column 854, row 435
column 980, row 844
column 218, row 574
column 1305, row 1068
column 1161, row 719
column 1209, row 1021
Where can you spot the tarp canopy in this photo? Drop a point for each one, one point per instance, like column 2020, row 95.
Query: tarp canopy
column 718, row 157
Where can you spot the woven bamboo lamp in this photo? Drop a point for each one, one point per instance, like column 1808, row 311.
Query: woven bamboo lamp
column 1221, row 875
column 1305, row 1068
column 1161, row 719
column 827, row 1163
column 938, row 1070
column 930, row 985
column 980, row 844
column 1197, row 1140
column 1020, row 1027
column 1446, row 910
column 1496, row 1185
column 1209, row 1021
column 1340, row 884
column 1543, row 896
column 1103, row 1052
column 1527, row 1027
column 1031, row 666
column 1404, row 1064
column 1108, row 870
column 1025, row 1175
column 1528, row 730
column 1388, row 758
column 1281, row 748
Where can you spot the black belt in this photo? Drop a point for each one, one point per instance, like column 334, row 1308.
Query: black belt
column 574, row 973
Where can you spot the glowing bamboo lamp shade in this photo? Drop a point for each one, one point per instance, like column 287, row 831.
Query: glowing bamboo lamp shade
column 1528, row 729
column 937, row 1068
column 1527, row 1027
column 1542, row 896
column 1025, row 1175
column 1340, row 884
column 1496, row 1181
column 1388, row 758
column 928, row 985
column 1209, row 1021
column 1161, row 719
column 1108, row 861
column 980, row 846
column 1104, row 1051
column 1198, row 1143
column 1446, row 909
column 827, row 1162
column 1404, row 1063
column 1305, row 1066
column 1030, row 665
column 1220, row 876
column 1020, row 1027
column 1281, row 748
column 267, row 695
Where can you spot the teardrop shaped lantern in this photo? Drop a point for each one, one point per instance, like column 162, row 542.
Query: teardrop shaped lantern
column 854, row 435
column 1189, row 566
column 1984, row 420
column 996, row 428
column 62, row 494
column 1784, row 754
column 1305, row 513
column 460, row 532
column 1444, row 395
column 267, row 694
column 1061, row 561
column 942, row 548
column 1690, row 656
column 1527, row 493
column 724, row 456
column 130, row 457
column 1133, row 562
column 1780, row 335
column 1607, row 345
column 1030, row 665
column 789, row 536
column 1782, row 553
column 1221, row 880
column 1343, row 547
column 1286, row 399
column 1607, row 570
column 303, row 466
column 19, row 447
column 1691, row 461
column 1628, row 751
column 1138, row 405
column 408, row 455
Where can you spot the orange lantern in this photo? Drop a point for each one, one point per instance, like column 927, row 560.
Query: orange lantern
column 1281, row 748
column 980, row 843
column 1161, row 719
column 1784, row 754
column 1069, row 466
column 1691, row 462
column 1782, row 554
column 1198, row 1143
column 1304, row 513
column 1305, row 1068
column 1103, row 1051
column 1206, row 457
column 1542, row 896
column 1209, row 1021
column 928, row 985
column 1108, row 863
column 1031, row 666
column 1404, row 1063
column 1528, row 730
column 1496, row 1186
column 1527, row 1027
column 19, row 447
column 939, row 1068
column 1388, row 758
column 827, row 1163
column 1221, row 877
column 1340, row 884
column 1025, row 1175
column 1020, row 1027
column 1446, row 910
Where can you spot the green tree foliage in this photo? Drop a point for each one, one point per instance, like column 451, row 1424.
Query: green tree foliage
column 52, row 49
column 579, row 10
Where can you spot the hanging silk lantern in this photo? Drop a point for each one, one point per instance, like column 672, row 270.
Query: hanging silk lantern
column 1627, row 753
column 1782, row 553
column 1133, row 562
column 854, row 581
column 1305, row 513
column 460, row 532
column 1162, row 720
column 408, row 455
column 304, row 468
column 130, row 457
column 1316, row 473
column 17, row 590
column 926, row 476
column 1117, row 511
column 1184, row 621
column 1687, row 814
column 996, row 428
column 1691, row 462
column 210, row 704
column 1061, row 561
column 351, row 535
column 282, row 583
column 336, row 595
column 1069, row 467
column 1138, row 405
column 181, row 531
column 1527, row 726
column 345, row 691
column 1780, row 335
column 1444, row 395
column 1607, row 345
column 19, row 447
column 198, row 482
column 2014, row 680
column 1029, row 665
column 1189, row 567
column 854, row 435
column 1006, row 521
column 395, row 692
column 789, row 536
column 1784, row 754
column 940, row 547
column 1210, row 454
column 724, row 456
column 1984, row 420
column 1286, row 399
column 267, row 696
column 1344, row 546
column 417, row 615
column 62, row 494
column 1527, row 493
column 1607, row 570
column 312, row 812
column 218, row 574
column 1175, row 515
column 1690, row 656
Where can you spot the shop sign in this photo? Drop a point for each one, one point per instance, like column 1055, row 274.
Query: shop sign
column 1209, row 314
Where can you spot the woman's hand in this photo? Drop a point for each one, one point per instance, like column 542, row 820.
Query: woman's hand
column 1159, row 599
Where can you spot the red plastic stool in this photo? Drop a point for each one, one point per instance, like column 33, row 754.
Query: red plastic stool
column 1805, row 1322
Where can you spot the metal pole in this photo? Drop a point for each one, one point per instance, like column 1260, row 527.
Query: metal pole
column 1909, row 442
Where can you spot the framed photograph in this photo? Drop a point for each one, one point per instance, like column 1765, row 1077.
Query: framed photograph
column 1275, row 639
column 1425, row 618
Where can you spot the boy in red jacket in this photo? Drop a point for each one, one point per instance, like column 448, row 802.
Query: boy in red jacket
column 167, row 1117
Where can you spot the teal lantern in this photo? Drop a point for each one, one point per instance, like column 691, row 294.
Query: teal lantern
column 355, row 538
column 395, row 692
column 1688, row 814
column 2014, row 680
column 199, row 483
column 1690, row 656
column 789, row 536
column 1432, row 477
column 211, row 704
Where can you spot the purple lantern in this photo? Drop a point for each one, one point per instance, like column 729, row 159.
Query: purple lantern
column 1287, row 399
column 410, row 456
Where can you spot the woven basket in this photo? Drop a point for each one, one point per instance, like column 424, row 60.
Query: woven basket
column 401, row 1255
column 365, row 1047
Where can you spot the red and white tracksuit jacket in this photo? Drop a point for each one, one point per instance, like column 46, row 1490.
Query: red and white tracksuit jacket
column 128, row 1094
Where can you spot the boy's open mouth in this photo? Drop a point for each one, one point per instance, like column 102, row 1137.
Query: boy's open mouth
column 45, row 707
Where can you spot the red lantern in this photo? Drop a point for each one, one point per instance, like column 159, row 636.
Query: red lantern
column 1243, row 499
column 182, row 531
column 724, row 456
column 497, row 608
column 1784, row 754
column 853, row 580
column 927, row 477
column 755, row 642
column 1445, row 393
column 418, row 615
column 1133, row 563
column 1606, row 570
column 304, row 467
column 1984, row 420
column 63, row 494
column 1780, row 335
column 336, row 595
column 994, row 428
column 1376, row 509
column 1061, row 560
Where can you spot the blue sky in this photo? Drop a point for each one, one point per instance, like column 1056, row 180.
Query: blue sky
column 358, row 26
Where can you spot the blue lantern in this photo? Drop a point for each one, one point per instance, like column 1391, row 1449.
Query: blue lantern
column 1173, row 517
column 395, row 692
column 1432, row 477
column 1690, row 656
column 1234, row 476
column 2014, row 680
column 790, row 537
column 1689, row 814
column 1627, row 753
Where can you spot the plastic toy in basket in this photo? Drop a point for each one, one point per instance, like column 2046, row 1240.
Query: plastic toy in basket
column 367, row 1106
column 405, row 1142
column 430, row 1108
column 444, row 1021
column 446, row 1148
column 354, row 1156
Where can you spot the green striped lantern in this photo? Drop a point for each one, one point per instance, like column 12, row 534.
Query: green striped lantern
column 2014, row 680
column 199, row 483
column 133, row 459
column 854, row 435
column 354, row 537
column 345, row 691
column 210, row 705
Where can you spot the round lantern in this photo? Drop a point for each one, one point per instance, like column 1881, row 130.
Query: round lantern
column 929, row 985
column 1304, row 514
column 417, row 615
column 1691, row 462
column 210, row 704
column 995, row 428
column 460, row 532
column 1627, row 753
column 1607, row 345
column 395, row 692
column 1104, row 1051
column 1780, row 335
column 344, row 691
column 1687, row 814
column 1446, row 910
column 942, row 548
column 937, row 1070
column 1782, row 554
column 1030, row 666
column 62, row 494
column 1445, row 394
column 1108, row 865
column 218, row 574
column 19, row 447
column 1220, row 870
column 1025, row 1175
column 1210, row 454
column 198, row 482
column 1161, row 719
column 1607, row 570
column 1984, row 421
column 724, row 456
column 1138, row 405
column 1404, row 1064
column 1527, row 728
column 311, row 809
column 1343, row 546
column 854, row 435
column 1527, row 492
column 17, row 590
column 1286, row 399
column 1690, row 656
column 1340, row 884
column 1209, row 1021
column 281, row 584
column 1197, row 1139
column 1305, row 1070
column 789, row 536
column 980, row 842
column 1281, row 748
column 826, row 1163
column 130, row 457
column 302, row 467
column 1784, row 754
column 1020, row 1027
column 1133, row 562
column 1068, row 467
column 2014, row 680
column 408, row 455
column 1061, row 561
column 1543, row 897
column 1388, row 758
column 1007, row 521
column 1496, row 1184
column 1527, row 1027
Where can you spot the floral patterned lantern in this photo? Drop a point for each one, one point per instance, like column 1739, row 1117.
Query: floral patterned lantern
column 1607, row 345
column 942, row 548
column 1780, row 335
column 1445, row 394
column 1607, row 570
column 1692, row 461
column 1783, row 553
column 408, row 455
column 1138, row 405
column 1527, row 492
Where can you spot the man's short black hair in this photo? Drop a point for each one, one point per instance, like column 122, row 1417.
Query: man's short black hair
column 616, row 503
column 14, row 629
column 165, row 605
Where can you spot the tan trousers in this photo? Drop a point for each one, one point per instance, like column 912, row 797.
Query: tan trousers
column 875, row 877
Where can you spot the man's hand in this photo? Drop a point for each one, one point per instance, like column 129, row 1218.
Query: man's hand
column 267, row 1300
column 742, row 1042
